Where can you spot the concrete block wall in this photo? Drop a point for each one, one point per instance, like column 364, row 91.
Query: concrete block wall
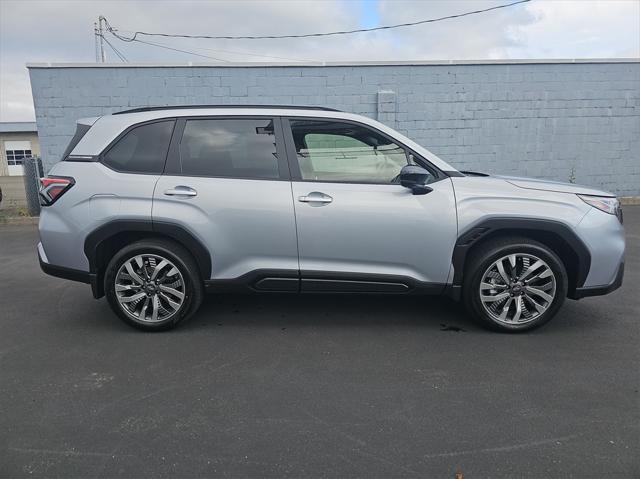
column 568, row 121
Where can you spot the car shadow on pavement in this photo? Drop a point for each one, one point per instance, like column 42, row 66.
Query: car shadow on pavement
column 331, row 310
column 268, row 311
column 438, row 313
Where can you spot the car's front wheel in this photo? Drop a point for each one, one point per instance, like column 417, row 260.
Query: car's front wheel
column 514, row 284
column 153, row 284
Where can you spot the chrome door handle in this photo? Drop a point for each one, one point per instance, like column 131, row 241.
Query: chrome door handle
column 181, row 191
column 316, row 197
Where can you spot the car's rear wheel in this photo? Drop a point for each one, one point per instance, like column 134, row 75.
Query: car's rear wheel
column 514, row 284
column 153, row 284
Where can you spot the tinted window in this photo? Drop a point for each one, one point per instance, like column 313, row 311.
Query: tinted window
column 142, row 150
column 242, row 148
column 81, row 130
column 344, row 152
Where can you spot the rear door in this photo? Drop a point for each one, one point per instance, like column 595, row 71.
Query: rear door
column 227, row 182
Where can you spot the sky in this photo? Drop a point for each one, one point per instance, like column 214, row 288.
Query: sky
column 62, row 31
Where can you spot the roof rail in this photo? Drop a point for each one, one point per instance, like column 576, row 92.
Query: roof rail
column 189, row 107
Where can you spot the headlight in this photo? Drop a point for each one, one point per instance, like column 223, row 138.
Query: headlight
column 603, row 203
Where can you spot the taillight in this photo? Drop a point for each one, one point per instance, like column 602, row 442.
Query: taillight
column 53, row 187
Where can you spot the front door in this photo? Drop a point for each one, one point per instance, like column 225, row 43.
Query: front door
column 358, row 229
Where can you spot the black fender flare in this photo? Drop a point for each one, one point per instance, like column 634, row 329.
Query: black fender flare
column 492, row 225
column 171, row 230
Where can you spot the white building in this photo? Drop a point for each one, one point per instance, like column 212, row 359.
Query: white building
column 17, row 141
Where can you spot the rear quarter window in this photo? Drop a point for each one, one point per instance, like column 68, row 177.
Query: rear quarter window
column 143, row 149
column 81, row 130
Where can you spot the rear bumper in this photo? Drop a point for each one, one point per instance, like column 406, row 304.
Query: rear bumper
column 65, row 273
column 601, row 290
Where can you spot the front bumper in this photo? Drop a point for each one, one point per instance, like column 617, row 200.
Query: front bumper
column 601, row 290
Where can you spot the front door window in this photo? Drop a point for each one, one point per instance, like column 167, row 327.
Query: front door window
column 331, row 151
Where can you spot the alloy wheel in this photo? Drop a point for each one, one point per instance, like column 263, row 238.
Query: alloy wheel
column 149, row 288
column 517, row 288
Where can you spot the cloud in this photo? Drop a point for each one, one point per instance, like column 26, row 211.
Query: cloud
column 569, row 29
column 16, row 103
column 62, row 31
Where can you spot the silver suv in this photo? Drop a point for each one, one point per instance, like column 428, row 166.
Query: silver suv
column 154, row 206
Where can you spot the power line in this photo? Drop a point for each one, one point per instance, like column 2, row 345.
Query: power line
column 307, row 35
column 234, row 52
column 116, row 51
column 160, row 45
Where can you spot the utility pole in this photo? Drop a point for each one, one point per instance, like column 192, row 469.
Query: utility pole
column 96, row 41
column 98, row 31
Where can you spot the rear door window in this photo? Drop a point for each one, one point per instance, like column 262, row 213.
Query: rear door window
column 229, row 148
column 142, row 149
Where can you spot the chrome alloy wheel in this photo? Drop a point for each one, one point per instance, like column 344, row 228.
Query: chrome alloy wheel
column 517, row 288
column 149, row 288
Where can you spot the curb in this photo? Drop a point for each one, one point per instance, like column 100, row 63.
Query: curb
column 629, row 200
column 19, row 220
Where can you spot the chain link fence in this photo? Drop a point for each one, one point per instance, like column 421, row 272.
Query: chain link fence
column 33, row 171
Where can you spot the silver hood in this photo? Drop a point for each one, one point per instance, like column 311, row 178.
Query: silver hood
column 546, row 185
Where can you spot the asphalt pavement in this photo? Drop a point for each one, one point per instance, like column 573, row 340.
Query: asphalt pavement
column 313, row 386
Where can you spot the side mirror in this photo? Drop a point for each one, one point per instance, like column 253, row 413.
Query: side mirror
column 415, row 178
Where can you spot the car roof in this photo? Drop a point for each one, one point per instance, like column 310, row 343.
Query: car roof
column 108, row 127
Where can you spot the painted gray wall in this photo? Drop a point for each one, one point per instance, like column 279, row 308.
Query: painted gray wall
column 564, row 121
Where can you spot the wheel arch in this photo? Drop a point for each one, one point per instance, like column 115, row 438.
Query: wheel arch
column 102, row 243
column 557, row 236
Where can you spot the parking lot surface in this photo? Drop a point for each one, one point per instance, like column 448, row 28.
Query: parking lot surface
column 313, row 386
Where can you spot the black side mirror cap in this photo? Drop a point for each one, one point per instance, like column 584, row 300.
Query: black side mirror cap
column 415, row 178
column 421, row 190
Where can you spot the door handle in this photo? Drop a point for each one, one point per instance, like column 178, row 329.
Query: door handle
column 181, row 191
column 316, row 197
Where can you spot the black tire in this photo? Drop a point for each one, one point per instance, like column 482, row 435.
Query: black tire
column 183, row 261
column 490, row 252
